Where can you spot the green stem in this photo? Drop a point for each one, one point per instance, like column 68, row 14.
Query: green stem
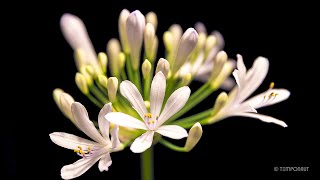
column 195, row 99
column 194, row 118
column 136, row 79
column 94, row 100
column 123, row 74
column 98, row 94
column 188, row 125
column 147, row 85
column 172, row 146
column 147, row 164
column 129, row 67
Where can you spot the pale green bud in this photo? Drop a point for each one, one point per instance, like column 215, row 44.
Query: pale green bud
column 147, row 104
column 112, row 88
column 103, row 61
column 210, row 43
column 220, row 102
column 149, row 34
column 79, row 58
column 151, row 17
column 163, row 66
column 223, row 75
column 186, row 79
column 154, row 49
column 121, row 60
column 146, row 69
column 63, row 101
column 218, row 64
column 103, row 80
column 82, row 83
column 85, row 72
column 122, row 29
column 194, row 136
column 113, row 50
column 168, row 40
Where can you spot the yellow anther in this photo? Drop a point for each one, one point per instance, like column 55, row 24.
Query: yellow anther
column 89, row 149
column 76, row 151
column 79, row 147
column 271, row 85
column 148, row 115
column 152, row 121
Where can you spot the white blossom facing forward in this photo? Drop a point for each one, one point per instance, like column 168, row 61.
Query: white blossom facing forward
column 90, row 151
column 238, row 104
column 153, row 120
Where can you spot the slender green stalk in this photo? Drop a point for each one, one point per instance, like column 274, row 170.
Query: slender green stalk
column 129, row 67
column 195, row 99
column 94, row 100
column 147, row 164
column 136, row 79
column 194, row 118
column 98, row 94
column 123, row 74
column 172, row 146
column 147, row 84
column 190, row 124
column 102, row 89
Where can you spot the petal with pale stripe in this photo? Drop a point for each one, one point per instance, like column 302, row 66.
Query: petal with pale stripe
column 172, row 131
column 271, row 96
column 125, row 120
column 263, row 118
column 71, row 141
column 157, row 92
column 105, row 162
column 143, row 142
column 102, row 121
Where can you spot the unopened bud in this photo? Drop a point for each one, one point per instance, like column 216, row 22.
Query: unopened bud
column 82, row 83
column 112, row 88
column 103, row 61
column 151, row 17
column 122, row 60
column 103, row 80
column 149, row 34
column 200, row 28
column 163, row 66
column 146, row 69
column 186, row 79
column 154, row 49
column 223, row 75
column 186, row 45
column 220, row 102
column 168, row 40
column 122, row 29
column 113, row 50
column 194, row 136
column 135, row 28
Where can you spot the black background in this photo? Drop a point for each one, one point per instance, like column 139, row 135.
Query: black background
column 237, row 146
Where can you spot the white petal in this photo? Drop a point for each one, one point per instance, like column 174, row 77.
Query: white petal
column 102, row 121
column 71, row 141
column 236, row 76
column 78, row 168
column 82, row 120
column 143, row 142
column 115, row 137
column 157, row 92
column 125, row 120
column 254, row 77
column 186, row 68
column 105, row 162
column 132, row 94
column 172, row 131
column 76, row 34
column 240, row 65
column 264, row 99
column 263, row 118
column 175, row 102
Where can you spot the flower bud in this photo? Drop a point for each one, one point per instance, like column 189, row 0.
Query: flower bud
column 103, row 80
column 121, row 60
column 135, row 28
column 113, row 50
column 149, row 34
column 146, row 69
column 63, row 101
column 163, row 66
column 82, row 83
column 220, row 102
column 194, row 136
column 151, row 17
column 200, row 28
column 186, row 45
column 112, row 88
column 154, row 49
column 168, row 40
column 103, row 61
column 186, row 79
column 75, row 33
column 223, row 75
column 122, row 29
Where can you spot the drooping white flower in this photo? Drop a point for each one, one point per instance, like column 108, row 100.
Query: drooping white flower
column 238, row 104
column 153, row 120
column 90, row 151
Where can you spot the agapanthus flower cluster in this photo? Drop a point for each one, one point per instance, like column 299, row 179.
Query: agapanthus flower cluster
column 142, row 98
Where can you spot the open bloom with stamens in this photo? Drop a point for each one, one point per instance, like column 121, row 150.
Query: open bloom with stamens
column 153, row 120
column 90, row 151
column 248, row 81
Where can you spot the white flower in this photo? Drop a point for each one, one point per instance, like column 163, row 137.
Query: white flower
column 90, row 151
column 152, row 122
column 248, row 82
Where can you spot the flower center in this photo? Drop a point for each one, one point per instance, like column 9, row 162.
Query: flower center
column 149, row 121
column 82, row 152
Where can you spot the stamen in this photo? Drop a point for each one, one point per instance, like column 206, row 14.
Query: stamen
column 82, row 152
column 148, row 115
column 271, row 85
